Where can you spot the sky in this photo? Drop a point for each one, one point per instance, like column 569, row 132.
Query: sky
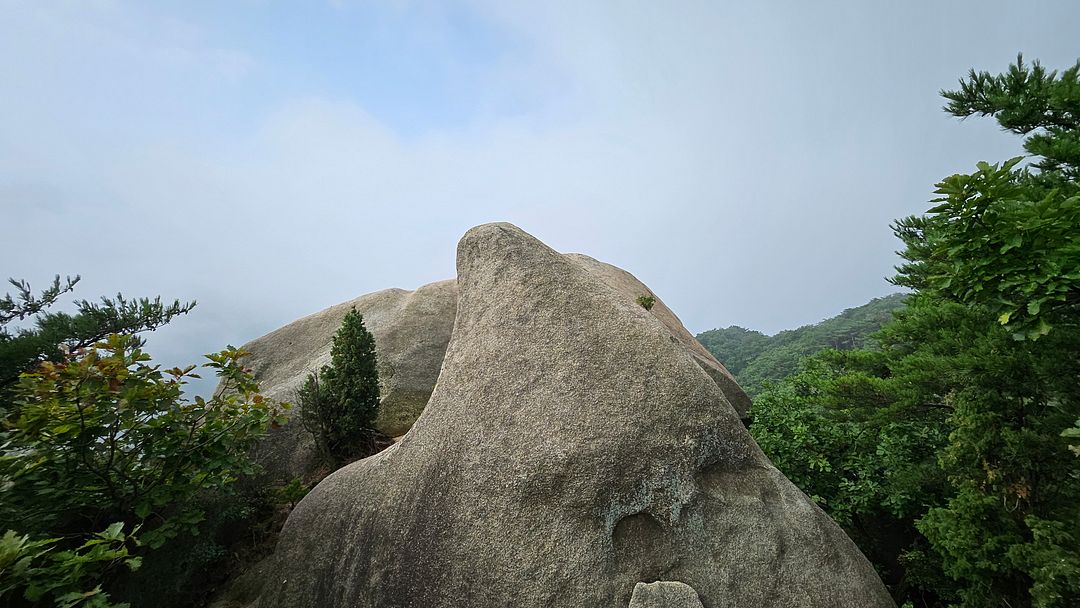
column 270, row 159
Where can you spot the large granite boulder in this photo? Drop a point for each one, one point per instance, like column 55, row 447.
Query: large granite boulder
column 572, row 448
column 411, row 331
column 631, row 288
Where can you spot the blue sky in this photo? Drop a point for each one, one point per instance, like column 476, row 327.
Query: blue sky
column 270, row 159
column 415, row 68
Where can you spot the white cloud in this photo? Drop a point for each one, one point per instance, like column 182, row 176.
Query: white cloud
column 744, row 161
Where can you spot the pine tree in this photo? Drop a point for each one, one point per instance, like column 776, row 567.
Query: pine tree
column 1004, row 237
column 953, row 435
column 49, row 336
column 340, row 402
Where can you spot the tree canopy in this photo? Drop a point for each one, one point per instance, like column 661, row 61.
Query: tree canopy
column 52, row 334
column 756, row 359
column 101, row 455
column 945, row 451
column 1004, row 237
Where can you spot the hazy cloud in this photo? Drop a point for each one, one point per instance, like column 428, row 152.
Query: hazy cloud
column 744, row 160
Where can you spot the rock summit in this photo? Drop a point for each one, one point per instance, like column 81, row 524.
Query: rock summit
column 574, row 446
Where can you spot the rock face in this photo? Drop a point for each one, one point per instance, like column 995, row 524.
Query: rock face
column 631, row 288
column 572, row 448
column 664, row 594
column 411, row 330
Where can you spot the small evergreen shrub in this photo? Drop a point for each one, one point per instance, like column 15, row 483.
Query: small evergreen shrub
column 291, row 493
column 340, row 402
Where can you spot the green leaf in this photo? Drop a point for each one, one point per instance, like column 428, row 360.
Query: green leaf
column 1012, row 242
column 143, row 510
column 1042, row 328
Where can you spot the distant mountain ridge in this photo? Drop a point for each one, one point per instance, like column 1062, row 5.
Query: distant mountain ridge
column 755, row 358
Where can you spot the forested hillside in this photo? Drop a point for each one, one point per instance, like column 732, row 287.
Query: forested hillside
column 755, row 358
column 946, row 445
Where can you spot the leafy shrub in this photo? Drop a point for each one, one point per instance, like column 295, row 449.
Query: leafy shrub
column 646, row 302
column 955, row 433
column 106, row 436
column 54, row 334
column 240, row 528
column 292, row 492
column 92, row 432
column 1004, row 237
column 37, row 571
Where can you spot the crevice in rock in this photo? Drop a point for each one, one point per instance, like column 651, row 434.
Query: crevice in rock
column 644, row 548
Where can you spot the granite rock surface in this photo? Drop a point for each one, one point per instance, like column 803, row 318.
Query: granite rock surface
column 411, row 331
column 572, row 448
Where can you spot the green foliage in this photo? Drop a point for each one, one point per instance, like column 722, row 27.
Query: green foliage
column 104, row 435
column 1003, row 240
column 292, row 492
column 839, row 427
column 860, row 436
column 92, row 432
column 240, row 528
column 945, row 451
column 1073, row 433
column 25, row 304
column 1030, row 101
column 937, row 451
column 1051, row 560
column 735, row 346
column 340, row 402
column 997, row 241
column 756, row 359
column 37, row 571
column 1014, row 487
column 646, row 302
column 54, row 334
column 1005, row 237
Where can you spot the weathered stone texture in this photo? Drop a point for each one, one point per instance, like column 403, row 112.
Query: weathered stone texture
column 411, row 331
column 572, row 448
column 664, row 594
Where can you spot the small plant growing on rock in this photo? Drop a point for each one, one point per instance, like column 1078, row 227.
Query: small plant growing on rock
column 291, row 493
column 646, row 302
